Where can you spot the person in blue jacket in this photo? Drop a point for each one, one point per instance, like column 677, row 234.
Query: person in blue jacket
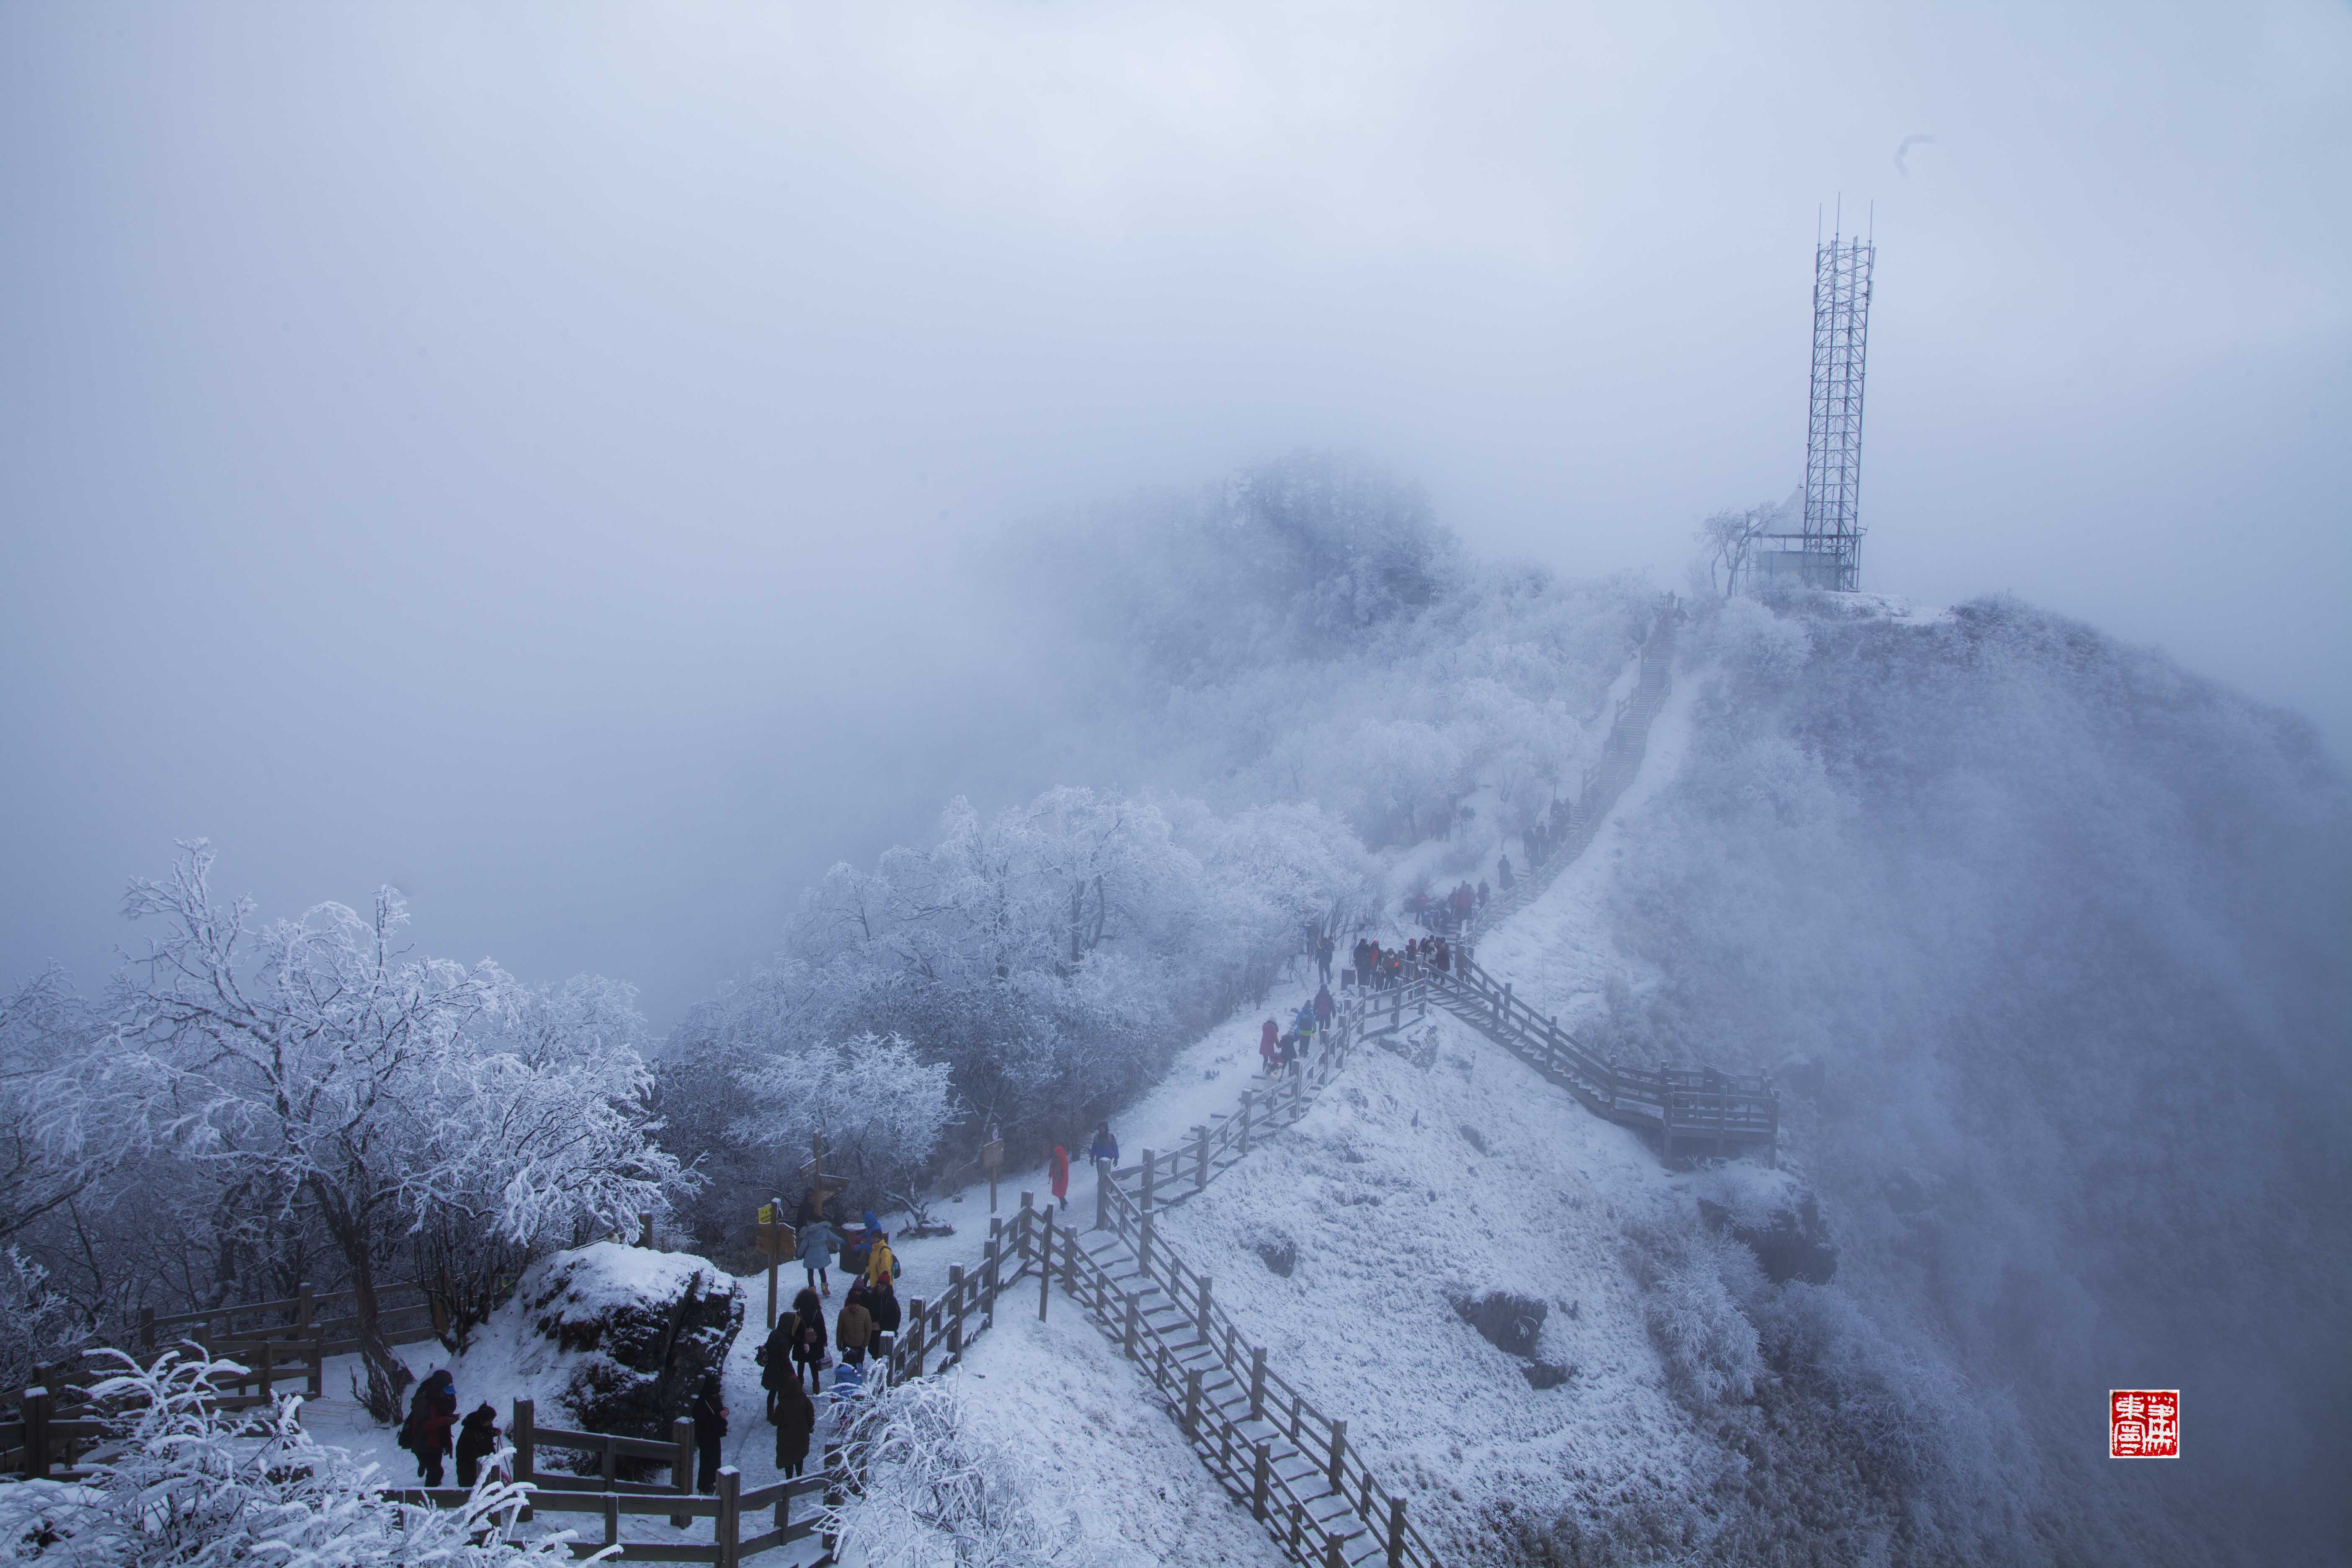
column 1105, row 1146
column 818, row 1244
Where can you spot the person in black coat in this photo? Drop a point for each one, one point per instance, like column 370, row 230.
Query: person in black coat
column 882, row 1305
column 477, row 1439
column 795, row 1420
column 776, row 1367
column 709, row 1413
column 808, row 1346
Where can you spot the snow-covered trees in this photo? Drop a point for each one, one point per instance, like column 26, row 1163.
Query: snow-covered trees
column 327, row 1074
column 879, row 1107
column 190, row 1486
column 1029, row 970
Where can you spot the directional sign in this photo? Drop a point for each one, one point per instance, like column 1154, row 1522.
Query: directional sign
column 991, row 1155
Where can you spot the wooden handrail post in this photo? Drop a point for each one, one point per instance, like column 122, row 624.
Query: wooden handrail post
column 1339, row 1454
column 1192, row 1404
column 1045, row 1264
column 1204, row 1309
column 956, row 1295
column 1246, row 1095
column 1335, row 1552
column 522, row 1432
column 991, row 1261
column 730, row 1523
column 1143, row 1246
column 916, row 1348
column 1396, row 1532
column 1102, row 1196
column 1150, row 1166
column 1201, row 1169
column 37, row 1407
column 1134, row 1325
column 1261, row 1480
column 1258, row 1382
column 834, row 1496
column 681, row 1465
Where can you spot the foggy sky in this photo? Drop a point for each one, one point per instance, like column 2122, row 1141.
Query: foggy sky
column 522, row 452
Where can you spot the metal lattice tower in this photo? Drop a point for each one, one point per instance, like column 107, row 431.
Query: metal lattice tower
column 1833, row 529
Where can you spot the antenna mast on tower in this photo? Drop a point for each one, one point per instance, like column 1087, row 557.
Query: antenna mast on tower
column 1827, row 553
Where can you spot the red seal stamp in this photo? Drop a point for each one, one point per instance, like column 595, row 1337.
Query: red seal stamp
column 2144, row 1423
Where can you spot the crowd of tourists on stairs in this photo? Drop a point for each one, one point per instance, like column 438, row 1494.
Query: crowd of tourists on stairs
column 1378, row 969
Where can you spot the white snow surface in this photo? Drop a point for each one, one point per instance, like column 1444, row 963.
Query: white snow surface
column 1395, row 1213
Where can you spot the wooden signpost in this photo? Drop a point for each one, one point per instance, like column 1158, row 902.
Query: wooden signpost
column 992, row 1160
column 779, row 1241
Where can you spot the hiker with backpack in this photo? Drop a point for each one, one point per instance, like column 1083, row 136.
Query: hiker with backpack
column 1323, row 949
column 1269, row 1046
column 1104, row 1148
column 432, row 1412
column 709, row 1413
column 1322, row 1007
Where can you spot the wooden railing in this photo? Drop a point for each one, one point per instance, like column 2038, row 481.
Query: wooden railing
column 605, row 1497
column 1683, row 1107
column 1273, row 1400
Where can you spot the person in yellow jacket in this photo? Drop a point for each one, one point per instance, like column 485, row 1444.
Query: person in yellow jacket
column 880, row 1265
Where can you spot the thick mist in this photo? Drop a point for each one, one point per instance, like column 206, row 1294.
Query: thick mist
column 502, row 451
column 2048, row 939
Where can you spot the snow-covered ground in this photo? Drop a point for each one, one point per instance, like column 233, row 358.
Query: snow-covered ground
column 1558, row 953
column 1395, row 1211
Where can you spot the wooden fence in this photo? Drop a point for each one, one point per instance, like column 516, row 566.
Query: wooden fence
column 607, row 1498
column 1685, row 1108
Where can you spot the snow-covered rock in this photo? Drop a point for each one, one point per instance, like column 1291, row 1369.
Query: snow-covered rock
column 634, row 1331
column 1773, row 1216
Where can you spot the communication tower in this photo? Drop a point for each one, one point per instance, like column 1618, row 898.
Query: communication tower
column 1826, row 553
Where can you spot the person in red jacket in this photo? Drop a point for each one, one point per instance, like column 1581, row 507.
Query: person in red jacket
column 1058, row 1175
column 1269, row 1046
column 431, row 1413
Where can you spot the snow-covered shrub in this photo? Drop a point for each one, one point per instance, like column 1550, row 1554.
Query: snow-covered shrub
column 190, row 1486
column 38, row 1326
column 927, row 1493
column 1694, row 1287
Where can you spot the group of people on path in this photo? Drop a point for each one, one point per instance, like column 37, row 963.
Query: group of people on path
column 865, row 1252
column 863, row 1334
column 1378, row 969
column 1284, row 1050
column 432, row 1418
